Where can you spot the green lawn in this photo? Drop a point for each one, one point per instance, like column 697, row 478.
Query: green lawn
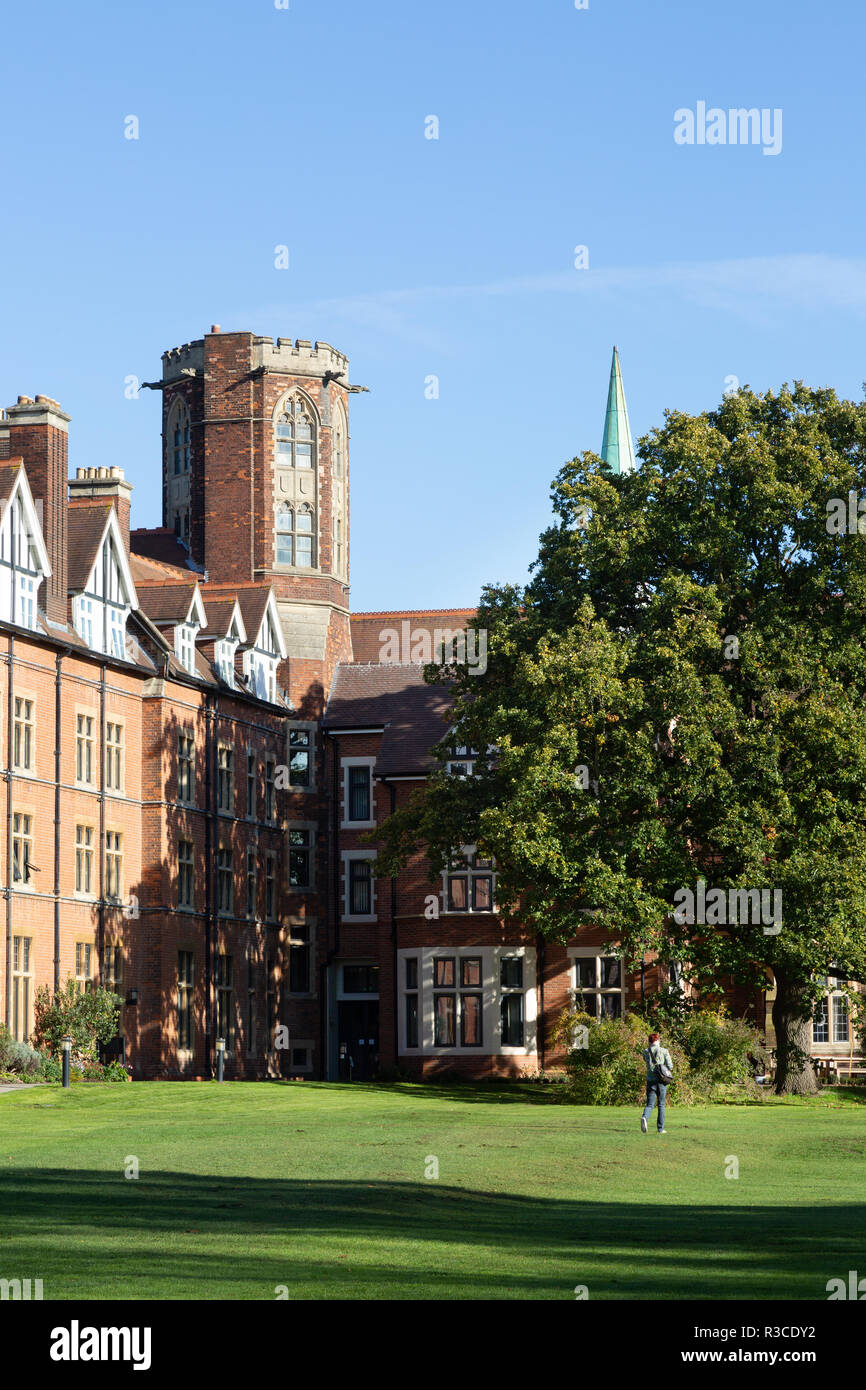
column 322, row 1188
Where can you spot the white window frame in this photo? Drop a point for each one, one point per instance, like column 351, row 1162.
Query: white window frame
column 368, row 762
column 491, row 998
column 837, row 992
column 309, row 727
column 26, row 586
column 346, row 856
column 482, row 873
column 115, row 631
column 598, row 952
column 84, row 619
column 184, row 645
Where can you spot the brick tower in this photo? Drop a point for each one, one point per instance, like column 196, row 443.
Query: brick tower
column 256, row 484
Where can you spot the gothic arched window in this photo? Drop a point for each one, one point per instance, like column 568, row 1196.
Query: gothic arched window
column 180, row 439
column 284, row 535
column 294, row 536
column 295, row 435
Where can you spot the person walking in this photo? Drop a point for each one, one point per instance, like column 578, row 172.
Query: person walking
column 657, row 1081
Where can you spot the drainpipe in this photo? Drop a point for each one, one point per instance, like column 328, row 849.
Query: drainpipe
column 334, row 894
column 540, row 966
column 58, row 768
column 208, row 893
column 9, row 708
column 100, row 944
column 392, row 792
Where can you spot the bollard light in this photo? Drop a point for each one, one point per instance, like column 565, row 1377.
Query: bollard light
column 221, row 1052
column 66, row 1043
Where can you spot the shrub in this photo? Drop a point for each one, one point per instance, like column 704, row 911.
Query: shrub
column 19, row 1059
column 92, row 1070
column 89, row 1017
column 715, row 1058
column 16, row 1057
column 610, row 1070
column 723, row 1051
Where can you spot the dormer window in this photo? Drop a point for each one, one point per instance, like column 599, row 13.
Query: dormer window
column 84, row 620
column 184, row 646
column 25, row 600
column 224, row 658
column 100, row 611
column 260, row 661
column 115, row 643
column 261, row 673
column 23, row 559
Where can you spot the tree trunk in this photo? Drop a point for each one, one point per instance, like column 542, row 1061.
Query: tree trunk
column 792, row 1019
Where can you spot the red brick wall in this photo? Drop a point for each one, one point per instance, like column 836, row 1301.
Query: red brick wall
column 35, row 434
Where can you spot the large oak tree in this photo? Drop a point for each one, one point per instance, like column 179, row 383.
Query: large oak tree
column 680, row 693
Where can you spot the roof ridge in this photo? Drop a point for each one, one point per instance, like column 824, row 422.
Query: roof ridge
column 411, row 612
column 166, row 583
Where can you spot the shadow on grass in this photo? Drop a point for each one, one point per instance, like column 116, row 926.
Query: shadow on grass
column 95, row 1234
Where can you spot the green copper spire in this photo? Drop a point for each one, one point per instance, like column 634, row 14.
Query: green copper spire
column 617, row 449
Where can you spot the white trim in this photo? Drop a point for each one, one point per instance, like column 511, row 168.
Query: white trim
column 587, row 953
column 369, row 762
column 370, row 729
column 310, row 727
column 490, row 991
column 345, row 856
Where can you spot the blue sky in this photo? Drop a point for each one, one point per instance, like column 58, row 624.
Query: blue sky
column 453, row 257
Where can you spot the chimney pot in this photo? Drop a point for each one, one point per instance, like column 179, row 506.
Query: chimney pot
column 24, row 400
column 214, row 328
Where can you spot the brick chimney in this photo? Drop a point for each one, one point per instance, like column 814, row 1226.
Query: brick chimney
column 103, row 485
column 38, row 432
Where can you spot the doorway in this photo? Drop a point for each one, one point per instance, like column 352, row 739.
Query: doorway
column 358, row 1038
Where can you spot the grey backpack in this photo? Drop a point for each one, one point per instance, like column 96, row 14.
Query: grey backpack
column 664, row 1073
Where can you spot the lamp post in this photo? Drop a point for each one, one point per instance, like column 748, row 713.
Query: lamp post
column 67, row 1050
column 221, row 1052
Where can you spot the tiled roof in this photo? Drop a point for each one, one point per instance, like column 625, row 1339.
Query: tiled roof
column 414, row 714
column 219, row 612
column 143, row 568
column 161, row 544
column 252, row 599
column 85, row 529
column 9, row 470
column 367, row 627
column 163, row 601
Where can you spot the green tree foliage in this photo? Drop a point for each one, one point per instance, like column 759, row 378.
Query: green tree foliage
column 692, row 641
column 715, row 1057
column 89, row 1017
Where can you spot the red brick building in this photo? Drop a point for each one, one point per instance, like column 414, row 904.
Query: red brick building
column 197, row 738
